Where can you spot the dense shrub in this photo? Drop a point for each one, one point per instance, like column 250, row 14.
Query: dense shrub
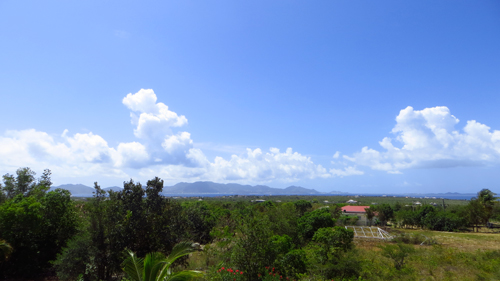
column 312, row 221
column 444, row 221
column 37, row 227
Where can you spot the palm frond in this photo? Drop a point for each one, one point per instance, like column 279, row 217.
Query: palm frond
column 179, row 250
column 133, row 267
column 154, row 264
column 185, row 275
column 156, row 267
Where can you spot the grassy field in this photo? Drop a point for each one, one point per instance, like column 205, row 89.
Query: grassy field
column 455, row 256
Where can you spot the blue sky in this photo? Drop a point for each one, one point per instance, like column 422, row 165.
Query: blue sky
column 356, row 96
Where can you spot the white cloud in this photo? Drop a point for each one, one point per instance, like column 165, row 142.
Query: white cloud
column 77, row 156
column 255, row 166
column 260, row 167
column 159, row 152
column 347, row 171
column 132, row 154
column 154, row 120
column 179, row 142
column 428, row 139
column 89, row 148
column 154, row 123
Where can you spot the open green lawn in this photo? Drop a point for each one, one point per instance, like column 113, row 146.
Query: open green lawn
column 456, row 256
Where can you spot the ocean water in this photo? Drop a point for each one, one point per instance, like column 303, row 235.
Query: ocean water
column 452, row 196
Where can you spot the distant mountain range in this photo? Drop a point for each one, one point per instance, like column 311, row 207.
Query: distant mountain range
column 203, row 187
column 208, row 188
column 80, row 190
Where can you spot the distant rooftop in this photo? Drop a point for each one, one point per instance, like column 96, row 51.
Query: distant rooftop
column 354, row 209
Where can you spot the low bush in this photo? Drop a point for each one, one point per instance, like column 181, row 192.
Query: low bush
column 415, row 239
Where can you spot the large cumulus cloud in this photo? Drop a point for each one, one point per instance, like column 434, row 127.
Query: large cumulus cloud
column 160, row 150
column 429, row 138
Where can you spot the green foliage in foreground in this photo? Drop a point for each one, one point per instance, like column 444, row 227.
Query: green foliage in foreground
column 37, row 228
column 156, row 266
column 295, row 239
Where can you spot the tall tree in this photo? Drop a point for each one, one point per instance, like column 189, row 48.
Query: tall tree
column 486, row 197
column 370, row 214
column 385, row 213
column 25, row 180
column 488, row 200
column 476, row 213
column 25, row 183
column 10, row 184
column 37, row 228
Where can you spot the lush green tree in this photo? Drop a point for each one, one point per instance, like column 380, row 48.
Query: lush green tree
column 370, row 214
column 444, row 221
column 312, row 221
column 200, row 221
column 25, row 180
column 329, row 253
column 24, row 183
column 251, row 252
column 398, row 206
column 476, row 214
column 157, row 267
column 348, row 220
column 422, row 214
column 302, row 206
column 405, row 218
column 3, row 196
column 280, row 245
column 136, row 218
column 496, row 212
column 9, row 187
column 77, row 259
column 37, row 228
column 488, row 200
column 283, row 220
column 337, row 239
column 486, row 197
column 385, row 212
column 293, row 263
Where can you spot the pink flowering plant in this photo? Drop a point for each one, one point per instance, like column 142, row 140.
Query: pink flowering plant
column 272, row 274
column 230, row 274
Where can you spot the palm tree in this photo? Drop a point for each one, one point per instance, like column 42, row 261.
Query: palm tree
column 156, row 266
column 5, row 250
column 487, row 197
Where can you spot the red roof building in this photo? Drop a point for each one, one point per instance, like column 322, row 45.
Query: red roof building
column 354, row 209
column 360, row 212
